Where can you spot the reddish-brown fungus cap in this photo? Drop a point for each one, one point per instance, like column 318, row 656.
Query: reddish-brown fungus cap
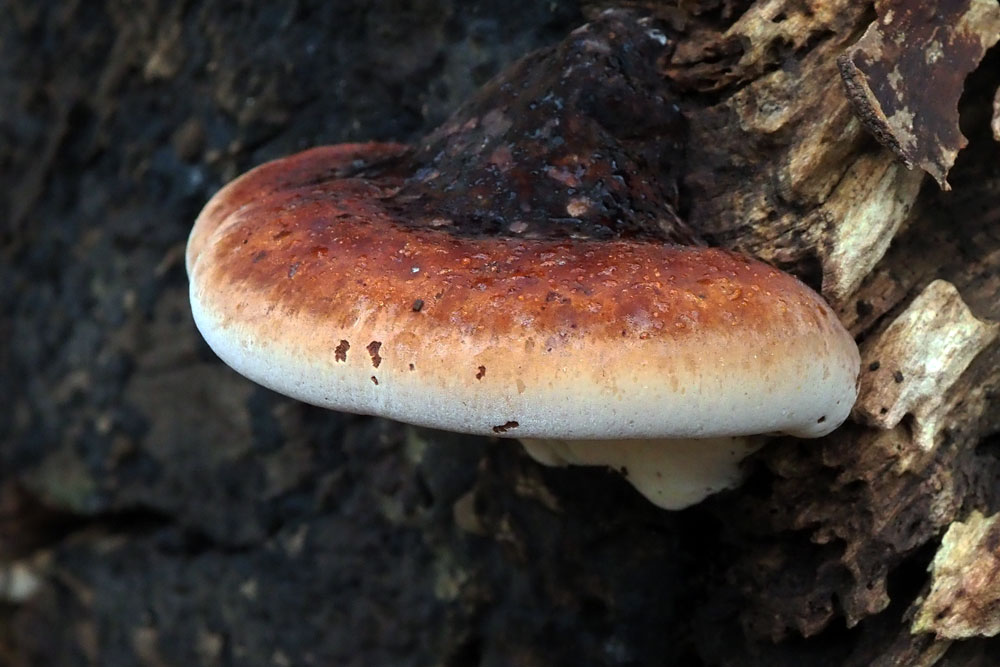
column 516, row 272
column 302, row 280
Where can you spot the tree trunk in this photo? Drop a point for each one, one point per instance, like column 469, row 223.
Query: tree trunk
column 158, row 509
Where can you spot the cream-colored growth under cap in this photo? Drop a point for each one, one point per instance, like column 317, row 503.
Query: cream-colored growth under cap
column 306, row 279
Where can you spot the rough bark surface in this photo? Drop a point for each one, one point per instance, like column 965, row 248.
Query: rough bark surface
column 157, row 509
column 912, row 42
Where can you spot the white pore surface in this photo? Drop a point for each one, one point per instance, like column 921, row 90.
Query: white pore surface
column 672, row 474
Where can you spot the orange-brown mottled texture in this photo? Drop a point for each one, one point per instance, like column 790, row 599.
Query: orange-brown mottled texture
column 306, row 239
column 305, row 276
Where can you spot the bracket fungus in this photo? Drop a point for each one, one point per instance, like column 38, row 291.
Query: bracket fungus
column 521, row 274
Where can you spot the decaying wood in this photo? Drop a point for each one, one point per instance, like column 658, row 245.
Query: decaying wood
column 964, row 597
column 909, row 368
column 157, row 509
column 794, row 182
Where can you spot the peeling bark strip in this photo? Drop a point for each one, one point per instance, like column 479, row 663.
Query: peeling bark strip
column 905, row 75
column 964, row 600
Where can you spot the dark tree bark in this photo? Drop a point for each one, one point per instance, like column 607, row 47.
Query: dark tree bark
column 157, row 509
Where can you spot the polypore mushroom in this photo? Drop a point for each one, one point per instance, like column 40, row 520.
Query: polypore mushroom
column 516, row 276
